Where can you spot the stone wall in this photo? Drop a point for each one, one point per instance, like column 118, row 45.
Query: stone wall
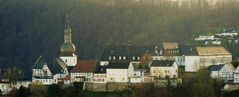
column 106, row 86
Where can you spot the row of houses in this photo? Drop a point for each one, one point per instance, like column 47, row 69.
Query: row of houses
column 229, row 34
column 126, row 65
column 229, row 72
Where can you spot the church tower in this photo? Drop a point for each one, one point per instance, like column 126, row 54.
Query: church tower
column 68, row 48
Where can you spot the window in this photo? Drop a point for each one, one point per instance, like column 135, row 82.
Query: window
column 114, row 58
column 119, row 57
column 109, row 57
column 138, row 58
column 133, row 58
column 124, row 58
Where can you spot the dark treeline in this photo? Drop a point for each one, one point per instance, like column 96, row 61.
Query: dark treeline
column 30, row 28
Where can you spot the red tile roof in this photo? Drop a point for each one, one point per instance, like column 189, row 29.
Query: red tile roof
column 84, row 66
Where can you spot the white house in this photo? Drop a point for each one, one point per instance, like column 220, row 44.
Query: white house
column 119, row 71
column 221, row 71
column 229, row 34
column 213, row 55
column 195, row 58
column 83, row 71
column 164, row 69
column 50, row 72
column 236, row 72
column 99, row 77
column 205, row 37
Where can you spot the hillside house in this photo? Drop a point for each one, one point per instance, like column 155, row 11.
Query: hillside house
column 119, row 71
column 164, row 69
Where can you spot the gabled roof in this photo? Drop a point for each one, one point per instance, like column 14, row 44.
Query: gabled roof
column 39, row 63
column 119, row 64
column 216, row 67
column 188, row 50
column 128, row 51
column 162, row 63
column 235, row 64
column 170, row 45
column 84, row 66
column 205, row 51
column 55, row 67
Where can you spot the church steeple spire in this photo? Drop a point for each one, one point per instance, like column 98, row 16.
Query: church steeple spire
column 67, row 35
column 67, row 48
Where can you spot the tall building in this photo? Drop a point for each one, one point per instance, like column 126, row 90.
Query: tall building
column 68, row 48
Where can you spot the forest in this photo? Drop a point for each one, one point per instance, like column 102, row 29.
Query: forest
column 33, row 28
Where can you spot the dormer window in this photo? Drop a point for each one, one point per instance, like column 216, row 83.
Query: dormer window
column 114, row 58
column 124, row 58
column 119, row 57
column 133, row 57
column 109, row 57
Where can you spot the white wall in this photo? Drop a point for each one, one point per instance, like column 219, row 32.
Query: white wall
column 191, row 63
column 214, row 74
column 45, row 81
column 104, row 63
column 162, row 72
column 117, row 75
column 136, row 80
column 99, row 78
column 69, row 60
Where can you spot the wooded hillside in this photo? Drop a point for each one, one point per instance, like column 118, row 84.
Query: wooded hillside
column 30, row 28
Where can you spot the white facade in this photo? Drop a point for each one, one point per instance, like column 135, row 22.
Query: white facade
column 224, row 73
column 236, row 75
column 228, row 34
column 69, row 60
column 191, row 63
column 104, row 63
column 82, row 77
column 7, row 87
column 45, row 81
column 206, row 61
column 139, row 72
column 43, row 75
column 119, row 75
column 204, row 37
column 136, row 79
column 164, row 72
column 99, row 78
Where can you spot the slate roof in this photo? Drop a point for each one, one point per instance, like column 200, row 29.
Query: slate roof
column 215, row 67
column 85, row 66
column 162, row 63
column 235, row 64
column 188, row 50
column 100, row 69
column 119, row 64
column 128, row 51
column 39, row 63
column 55, row 66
